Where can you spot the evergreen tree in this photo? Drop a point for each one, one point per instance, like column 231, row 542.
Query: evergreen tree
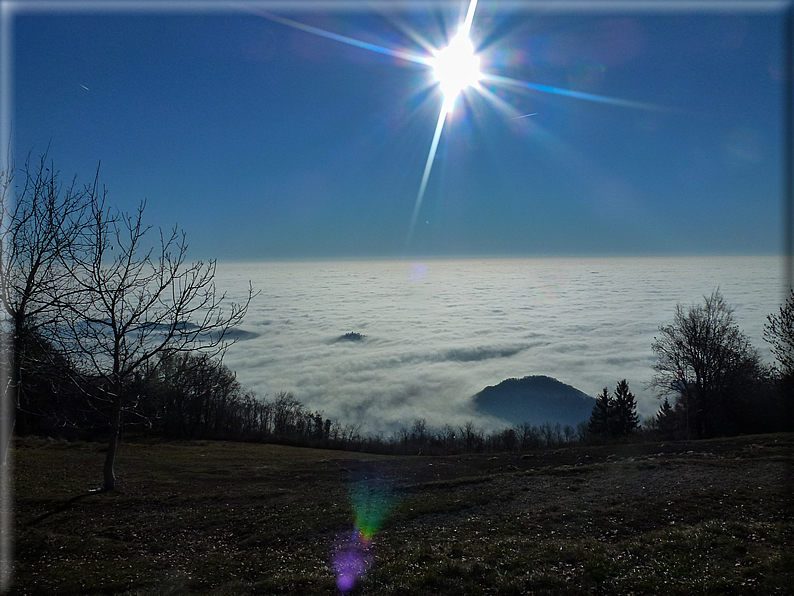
column 599, row 419
column 623, row 419
column 667, row 419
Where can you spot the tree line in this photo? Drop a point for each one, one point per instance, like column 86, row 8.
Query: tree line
column 713, row 380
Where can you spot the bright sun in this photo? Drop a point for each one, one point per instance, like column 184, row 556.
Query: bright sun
column 456, row 66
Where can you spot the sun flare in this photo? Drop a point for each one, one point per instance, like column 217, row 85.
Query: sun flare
column 456, row 66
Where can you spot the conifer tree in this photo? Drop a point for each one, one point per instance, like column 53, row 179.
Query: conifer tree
column 623, row 419
column 666, row 420
column 599, row 419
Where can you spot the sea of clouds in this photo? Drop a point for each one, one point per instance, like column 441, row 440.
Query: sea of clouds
column 438, row 331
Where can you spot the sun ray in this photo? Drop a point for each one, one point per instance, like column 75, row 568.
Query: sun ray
column 344, row 39
column 500, row 104
column 431, row 155
column 412, row 34
column 466, row 28
column 569, row 93
column 456, row 67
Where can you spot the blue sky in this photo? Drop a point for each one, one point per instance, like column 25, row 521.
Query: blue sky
column 264, row 141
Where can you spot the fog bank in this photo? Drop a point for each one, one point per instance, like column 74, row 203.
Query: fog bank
column 436, row 332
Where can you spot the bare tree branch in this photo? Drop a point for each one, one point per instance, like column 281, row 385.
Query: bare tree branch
column 133, row 304
column 704, row 359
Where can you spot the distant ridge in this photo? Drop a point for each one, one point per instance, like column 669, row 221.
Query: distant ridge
column 535, row 399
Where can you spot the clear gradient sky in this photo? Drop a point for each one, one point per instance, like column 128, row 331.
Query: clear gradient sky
column 265, row 141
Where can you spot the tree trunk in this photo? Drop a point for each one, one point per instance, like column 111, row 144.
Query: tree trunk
column 9, row 374
column 7, row 430
column 110, row 458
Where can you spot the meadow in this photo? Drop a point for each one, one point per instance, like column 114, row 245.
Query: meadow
column 700, row 517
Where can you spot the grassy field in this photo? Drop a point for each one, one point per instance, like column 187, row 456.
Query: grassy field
column 711, row 517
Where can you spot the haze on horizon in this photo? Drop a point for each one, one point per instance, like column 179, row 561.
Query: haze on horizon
column 265, row 141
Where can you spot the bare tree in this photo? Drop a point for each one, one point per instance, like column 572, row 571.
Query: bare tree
column 190, row 395
column 39, row 222
column 132, row 302
column 286, row 412
column 779, row 333
column 706, row 362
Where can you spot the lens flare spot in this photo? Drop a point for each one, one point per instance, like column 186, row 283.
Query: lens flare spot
column 371, row 505
column 418, row 271
column 372, row 501
column 351, row 561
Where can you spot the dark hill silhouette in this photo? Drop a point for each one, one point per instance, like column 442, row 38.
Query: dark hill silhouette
column 352, row 336
column 536, row 399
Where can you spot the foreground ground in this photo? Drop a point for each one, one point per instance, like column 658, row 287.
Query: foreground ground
column 712, row 517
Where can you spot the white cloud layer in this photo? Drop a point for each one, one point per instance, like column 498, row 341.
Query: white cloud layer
column 438, row 331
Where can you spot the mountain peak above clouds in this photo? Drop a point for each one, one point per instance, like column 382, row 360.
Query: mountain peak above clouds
column 535, row 399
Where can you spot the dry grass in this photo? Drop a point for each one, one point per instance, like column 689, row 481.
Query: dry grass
column 711, row 517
